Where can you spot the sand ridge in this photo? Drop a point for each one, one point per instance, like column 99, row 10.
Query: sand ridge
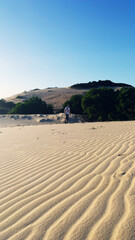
column 55, row 96
column 68, row 181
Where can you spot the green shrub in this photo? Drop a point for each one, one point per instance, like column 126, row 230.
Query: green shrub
column 100, row 104
column 33, row 105
column 75, row 104
column 126, row 103
column 5, row 106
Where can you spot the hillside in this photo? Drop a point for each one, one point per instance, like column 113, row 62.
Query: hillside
column 57, row 96
column 54, row 96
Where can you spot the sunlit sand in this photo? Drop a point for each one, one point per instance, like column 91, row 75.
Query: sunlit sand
column 67, row 181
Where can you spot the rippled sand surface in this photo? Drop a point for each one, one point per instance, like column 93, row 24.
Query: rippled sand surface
column 68, row 182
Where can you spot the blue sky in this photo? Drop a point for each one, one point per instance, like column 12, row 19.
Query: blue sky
column 57, row 43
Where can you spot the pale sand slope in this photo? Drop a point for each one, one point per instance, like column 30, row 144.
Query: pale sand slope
column 71, row 182
column 13, row 120
column 54, row 96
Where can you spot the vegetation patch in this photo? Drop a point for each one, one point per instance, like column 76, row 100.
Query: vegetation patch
column 105, row 104
column 99, row 84
column 33, row 105
column 20, row 97
column 5, row 106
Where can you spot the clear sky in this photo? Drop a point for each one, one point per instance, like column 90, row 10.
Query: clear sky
column 57, row 43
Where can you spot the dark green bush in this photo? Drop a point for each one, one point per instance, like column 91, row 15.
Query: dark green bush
column 100, row 104
column 75, row 104
column 33, row 105
column 126, row 103
column 105, row 104
column 5, row 106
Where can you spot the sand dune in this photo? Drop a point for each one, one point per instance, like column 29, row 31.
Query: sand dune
column 55, row 96
column 68, row 181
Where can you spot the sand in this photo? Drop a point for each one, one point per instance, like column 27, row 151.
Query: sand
column 68, row 181
column 13, row 120
column 55, row 96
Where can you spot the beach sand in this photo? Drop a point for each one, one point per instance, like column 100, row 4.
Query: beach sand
column 67, row 181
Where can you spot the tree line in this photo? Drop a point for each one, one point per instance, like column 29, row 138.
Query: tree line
column 100, row 83
column 105, row 104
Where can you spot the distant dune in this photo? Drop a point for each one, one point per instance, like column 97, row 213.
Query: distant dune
column 55, row 96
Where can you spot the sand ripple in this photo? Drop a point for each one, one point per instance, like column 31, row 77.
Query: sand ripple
column 63, row 182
